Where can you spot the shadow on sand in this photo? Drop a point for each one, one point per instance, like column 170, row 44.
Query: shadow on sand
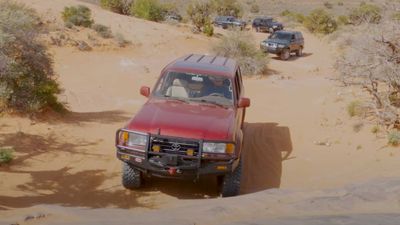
column 266, row 145
column 62, row 187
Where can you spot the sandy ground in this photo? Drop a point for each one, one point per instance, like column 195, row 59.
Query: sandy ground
column 298, row 138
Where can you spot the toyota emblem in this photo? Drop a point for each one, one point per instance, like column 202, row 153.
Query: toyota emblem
column 175, row 147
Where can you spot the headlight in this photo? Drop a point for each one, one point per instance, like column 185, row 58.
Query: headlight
column 211, row 147
column 137, row 139
column 133, row 139
column 281, row 46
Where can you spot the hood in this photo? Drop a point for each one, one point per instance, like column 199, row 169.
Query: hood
column 276, row 24
column 277, row 41
column 187, row 120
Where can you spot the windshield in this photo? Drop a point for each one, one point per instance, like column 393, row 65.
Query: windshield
column 196, row 88
column 280, row 35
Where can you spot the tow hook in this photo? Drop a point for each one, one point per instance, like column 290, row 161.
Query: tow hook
column 172, row 170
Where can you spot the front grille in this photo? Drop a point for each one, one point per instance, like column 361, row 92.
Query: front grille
column 174, row 145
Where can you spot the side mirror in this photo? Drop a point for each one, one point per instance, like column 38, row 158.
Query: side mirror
column 244, row 102
column 145, row 91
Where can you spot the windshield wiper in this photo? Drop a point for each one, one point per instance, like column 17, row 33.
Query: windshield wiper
column 176, row 99
column 210, row 102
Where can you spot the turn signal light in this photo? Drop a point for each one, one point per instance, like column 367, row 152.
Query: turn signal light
column 221, row 167
column 190, row 152
column 125, row 137
column 230, row 148
column 156, row 148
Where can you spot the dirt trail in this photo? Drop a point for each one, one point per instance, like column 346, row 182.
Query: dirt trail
column 297, row 136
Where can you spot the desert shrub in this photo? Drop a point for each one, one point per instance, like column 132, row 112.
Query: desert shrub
column 199, row 13
column 240, row 46
column 375, row 129
column 294, row 16
column 254, row 8
column 365, row 13
column 328, row 5
column 121, row 41
column 227, row 7
column 354, row 108
column 118, row 6
column 393, row 138
column 343, row 20
column 208, row 29
column 6, row 155
column 372, row 62
column 27, row 81
column 319, row 21
column 396, row 16
column 148, row 9
column 78, row 15
column 103, row 31
column 340, row 3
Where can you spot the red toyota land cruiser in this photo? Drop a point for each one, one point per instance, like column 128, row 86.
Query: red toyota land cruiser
column 190, row 126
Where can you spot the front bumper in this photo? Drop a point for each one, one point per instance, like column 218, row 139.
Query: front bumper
column 175, row 166
column 270, row 49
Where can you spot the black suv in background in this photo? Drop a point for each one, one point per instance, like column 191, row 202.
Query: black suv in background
column 229, row 21
column 282, row 43
column 266, row 24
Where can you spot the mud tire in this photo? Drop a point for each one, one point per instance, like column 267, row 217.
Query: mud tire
column 285, row 54
column 131, row 177
column 299, row 52
column 231, row 182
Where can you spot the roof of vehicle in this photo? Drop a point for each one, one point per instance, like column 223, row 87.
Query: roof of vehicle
column 205, row 63
column 287, row 31
column 263, row 18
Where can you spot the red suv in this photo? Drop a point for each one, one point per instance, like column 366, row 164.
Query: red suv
column 190, row 126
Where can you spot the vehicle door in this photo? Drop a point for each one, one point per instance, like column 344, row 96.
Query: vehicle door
column 239, row 93
column 294, row 45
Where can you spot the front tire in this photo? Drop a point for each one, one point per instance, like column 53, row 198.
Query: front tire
column 285, row 54
column 271, row 30
column 131, row 177
column 231, row 182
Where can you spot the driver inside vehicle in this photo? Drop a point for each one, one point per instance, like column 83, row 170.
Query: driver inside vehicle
column 218, row 86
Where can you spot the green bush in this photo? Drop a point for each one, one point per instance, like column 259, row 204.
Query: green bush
column 365, row 13
column 294, row 16
column 6, row 155
column 319, row 21
column 240, row 46
column 328, row 5
column 396, row 16
column 27, row 81
column 343, row 20
column 354, row 108
column 121, row 41
column 254, row 8
column 199, row 13
column 394, row 138
column 208, row 29
column 148, row 9
column 103, row 31
column 78, row 15
column 118, row 6
column 227, row 7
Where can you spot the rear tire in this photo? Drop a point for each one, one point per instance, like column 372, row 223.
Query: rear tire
column 131, row 177
column 285, row 54
column 299, row 52
column 231, row 182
